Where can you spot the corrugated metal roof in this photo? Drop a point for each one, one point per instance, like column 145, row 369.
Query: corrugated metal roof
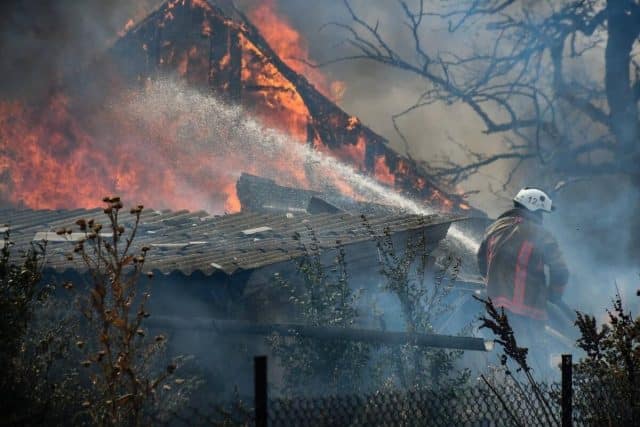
column 197, row 241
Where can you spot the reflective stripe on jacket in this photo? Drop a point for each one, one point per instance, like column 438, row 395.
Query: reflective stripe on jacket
column 512, row 257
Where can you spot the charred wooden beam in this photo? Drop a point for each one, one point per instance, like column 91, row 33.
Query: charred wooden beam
column 225, row 62
column 238, row 327
column 320, row 107
column 337, row 129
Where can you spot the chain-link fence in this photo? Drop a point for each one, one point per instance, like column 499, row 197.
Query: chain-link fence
column 492, row 402
column 470, row 406
column 473, row 406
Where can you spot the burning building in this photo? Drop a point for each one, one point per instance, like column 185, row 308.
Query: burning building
column 116, row 127
column 232, row 58
column 84, row 142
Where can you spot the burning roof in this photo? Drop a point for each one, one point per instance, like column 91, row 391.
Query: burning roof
column 231, row 57
column 70, row 152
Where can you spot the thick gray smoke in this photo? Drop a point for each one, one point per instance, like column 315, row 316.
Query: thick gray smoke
column 375, row 92
column 43, row 42
column 588, row 221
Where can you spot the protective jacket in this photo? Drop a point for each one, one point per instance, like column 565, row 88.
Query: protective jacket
column 512, row 258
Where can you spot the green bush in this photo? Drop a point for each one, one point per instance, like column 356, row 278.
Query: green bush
column 35, row 343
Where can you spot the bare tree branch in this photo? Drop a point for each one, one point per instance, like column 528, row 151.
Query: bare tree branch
column 520, row 84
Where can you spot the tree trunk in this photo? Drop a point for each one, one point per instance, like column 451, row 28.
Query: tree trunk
column 623, row 30
column 622, row 105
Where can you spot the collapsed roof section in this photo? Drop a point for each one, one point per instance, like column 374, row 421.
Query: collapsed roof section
column 226, row 54
column 258, row 194
column 196, row 241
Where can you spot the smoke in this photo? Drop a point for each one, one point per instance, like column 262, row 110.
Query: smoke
column 593, row 217
column 587, row 220
column 43, row 42
column 253, row 147
column 375, row 92
column 590, row 227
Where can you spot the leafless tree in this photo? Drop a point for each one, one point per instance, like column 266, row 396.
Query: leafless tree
column 558, row 79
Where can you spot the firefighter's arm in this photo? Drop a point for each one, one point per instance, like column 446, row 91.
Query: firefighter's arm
column 482, row 258
column 558, row 271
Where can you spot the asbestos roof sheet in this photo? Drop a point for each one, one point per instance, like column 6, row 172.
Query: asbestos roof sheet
column 197, row 241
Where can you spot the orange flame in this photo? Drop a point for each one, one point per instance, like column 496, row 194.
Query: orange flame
column 354, row 154
column 285, row 108
column 291, row 47
column 129, row 25
column 51, row 156
column 382, row 171
column 51, row 159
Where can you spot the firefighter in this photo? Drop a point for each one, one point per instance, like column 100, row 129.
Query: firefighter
column 514, row 254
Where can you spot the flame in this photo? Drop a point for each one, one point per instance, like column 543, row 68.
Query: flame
column 54, row 156
column 57, row 154
column 352, row 123
column 353, row 154
column 52, row 162
column 291, row 47
column 129, row 25
column 37, row 153
column 382, row 171
column 285, row 108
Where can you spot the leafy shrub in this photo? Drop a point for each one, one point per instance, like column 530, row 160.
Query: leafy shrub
column 422, row 301
column 126, row 385
column 38, row 386
column 608, row 377
column 95, row 365
column 323, row 298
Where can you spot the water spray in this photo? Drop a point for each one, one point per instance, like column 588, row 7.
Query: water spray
column 230, row 130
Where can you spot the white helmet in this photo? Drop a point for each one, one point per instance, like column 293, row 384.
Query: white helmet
column 534, row 200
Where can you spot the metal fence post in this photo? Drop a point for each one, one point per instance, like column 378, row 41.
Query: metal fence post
column 260, row 390
column 567, row 391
